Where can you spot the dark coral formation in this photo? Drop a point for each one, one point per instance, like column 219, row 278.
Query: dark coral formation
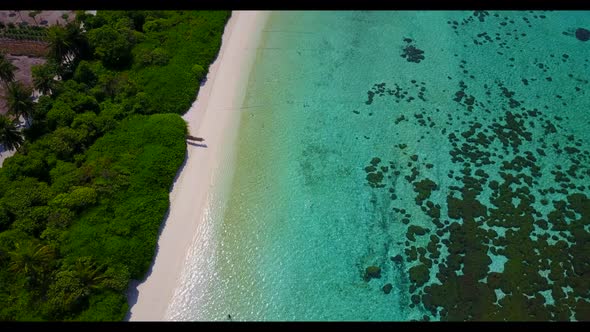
column 376, row 175
column 583, row 34
column 411, row 52
column 372, row 272
column 424, row 188
column 399, row 93
column 419, row 274
column 481, row 15
column 517, row 190
column 508, row 198
column 398, row 259
column 511, row 208
column 414, row 230
column 387, row 288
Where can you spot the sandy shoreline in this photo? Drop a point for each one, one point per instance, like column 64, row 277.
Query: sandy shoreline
column 215, row 117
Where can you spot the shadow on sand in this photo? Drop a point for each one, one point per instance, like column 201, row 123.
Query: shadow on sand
column 197, row 144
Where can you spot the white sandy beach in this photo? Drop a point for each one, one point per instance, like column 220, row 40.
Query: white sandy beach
column 215, row 117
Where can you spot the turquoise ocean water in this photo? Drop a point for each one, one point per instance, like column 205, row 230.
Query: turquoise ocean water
column 459, row 172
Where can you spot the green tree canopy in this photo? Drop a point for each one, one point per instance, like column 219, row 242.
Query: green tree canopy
column 113, row 46
column 60, row 115
column 23, row 194
column 64, row 176
column 21, row 164
column 78, row 199
column 74, row 283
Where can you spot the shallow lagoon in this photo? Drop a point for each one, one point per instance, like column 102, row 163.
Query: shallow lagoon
column 448, row 149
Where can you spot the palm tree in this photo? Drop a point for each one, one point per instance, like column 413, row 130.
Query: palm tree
column 43, row 77
column 20, row 103
column 59, row 44
column 89, row 274
column 77, row 38
column 75, row 283
column 10, row 136
column 65, row 43
column 30, row 260
column 6, row 69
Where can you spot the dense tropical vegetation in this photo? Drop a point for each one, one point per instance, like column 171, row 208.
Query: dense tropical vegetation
column 82, row 200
